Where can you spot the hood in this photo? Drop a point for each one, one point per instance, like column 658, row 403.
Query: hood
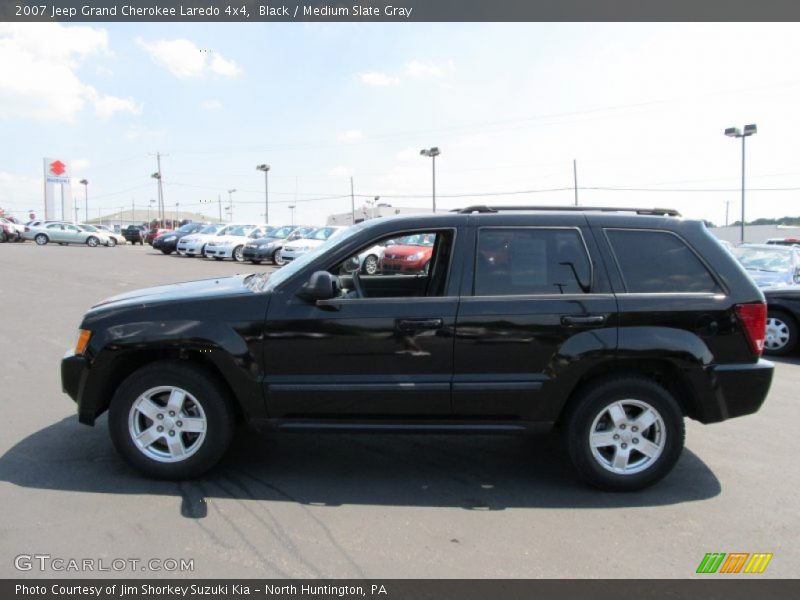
column 770, row 278
column 205, row 288
column 198, row 237
column 403, row 251
column 304, row 243
column 226, row 239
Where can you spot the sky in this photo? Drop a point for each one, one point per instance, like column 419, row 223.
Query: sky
column 641, row 108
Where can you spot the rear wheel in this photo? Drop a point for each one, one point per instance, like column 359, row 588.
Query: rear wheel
column 277, row 258
column 41, row 239
column 171, row 420
column 370, row 265
column 238, row 254
column 92, row 241
column 111, row 242
column 624, row 434
column 781, row 337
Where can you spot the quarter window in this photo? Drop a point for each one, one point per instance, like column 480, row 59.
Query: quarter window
column 659, row 262
column 525, row 261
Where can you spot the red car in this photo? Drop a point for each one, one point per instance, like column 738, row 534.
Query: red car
column 154, row 233
column 408, row 255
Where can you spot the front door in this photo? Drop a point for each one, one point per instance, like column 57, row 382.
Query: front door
column 382, row 348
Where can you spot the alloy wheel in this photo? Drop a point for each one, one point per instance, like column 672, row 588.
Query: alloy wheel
column 778, row 334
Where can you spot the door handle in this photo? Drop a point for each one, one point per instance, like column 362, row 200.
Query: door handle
column 418, row 324
column 583, row 320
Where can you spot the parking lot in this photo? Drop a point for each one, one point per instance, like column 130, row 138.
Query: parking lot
column 366, row 505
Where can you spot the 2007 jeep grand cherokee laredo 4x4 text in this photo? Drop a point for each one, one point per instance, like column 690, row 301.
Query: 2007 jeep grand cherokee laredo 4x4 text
column 611, row 325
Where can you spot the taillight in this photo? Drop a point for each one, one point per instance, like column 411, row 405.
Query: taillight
column 754, row 322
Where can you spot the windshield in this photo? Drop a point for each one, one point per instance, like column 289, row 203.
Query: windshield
column 299, row 263
column 280, row 232
column 188, row 228
column 323, row 233
column 88, row 227
column 772, row 260
column 236, row 230
column 210, row 229
column 420, row 239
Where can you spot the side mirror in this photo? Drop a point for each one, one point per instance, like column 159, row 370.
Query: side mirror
column 320, row 286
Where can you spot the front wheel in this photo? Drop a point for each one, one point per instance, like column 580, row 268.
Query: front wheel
column 92, row 241
column 41, row 239
column 781, row 336
column 171, row 420
column 624, row 434
column 370, row 265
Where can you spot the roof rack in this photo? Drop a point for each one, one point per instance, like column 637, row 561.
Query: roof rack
column 661, row 212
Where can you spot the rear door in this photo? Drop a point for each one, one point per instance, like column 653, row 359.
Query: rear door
column 535, row 302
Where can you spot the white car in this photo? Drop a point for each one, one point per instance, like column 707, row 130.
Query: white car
column 113, row 238
column 195, row 243
column 114, row 234
column 316, row 238
column 229, row 243
column 66, row 233
column 369, row 261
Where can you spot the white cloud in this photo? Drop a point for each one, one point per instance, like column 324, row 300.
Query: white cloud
column 103, row 71
column 79, row 164
column 184, row 59
column 38, row 78
column 427, row 69
column 211, row 104
column 340, row 172
column 351, row 136
column 378, row 79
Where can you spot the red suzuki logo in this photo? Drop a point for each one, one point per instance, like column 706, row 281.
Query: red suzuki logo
column 57, row 167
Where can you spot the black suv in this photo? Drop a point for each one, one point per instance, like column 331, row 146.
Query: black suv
column 611, row 325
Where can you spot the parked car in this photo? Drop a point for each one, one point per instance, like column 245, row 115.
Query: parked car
column 268, row 247
column 312, row 240
column 369, row 261
column 65, row 233
column 770, row 265
column 111, row 238
column 231, row 243
column 575, row 330
column 154, row 232
column 194, row 244
column 11, row 231
column 135, row 234
column 411, row 254
column 790, row 241
column 168, row 243
column 116, row 234
column 783, row 320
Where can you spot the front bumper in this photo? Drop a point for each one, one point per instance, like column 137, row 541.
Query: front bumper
column 74, row 371
column 219, row 251
column 190, row 249
column 736, row 390
column 401, row 266
column 168, row 246
column 258, row 253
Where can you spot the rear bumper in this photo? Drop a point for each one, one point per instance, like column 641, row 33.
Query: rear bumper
column 738, row 389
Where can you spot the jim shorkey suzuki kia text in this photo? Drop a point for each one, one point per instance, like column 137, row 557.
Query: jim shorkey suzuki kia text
column 609, row 325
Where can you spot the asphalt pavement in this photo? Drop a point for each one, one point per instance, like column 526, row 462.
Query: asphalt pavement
column 363, row 505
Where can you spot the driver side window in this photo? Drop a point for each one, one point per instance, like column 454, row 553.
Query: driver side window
column 403, row 265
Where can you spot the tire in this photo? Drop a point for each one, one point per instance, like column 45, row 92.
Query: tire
column 203, row 442
column 237, row 254
column 41, row 239
column 167, row 252
column 277, row 258
column 111, row 242
column 626, row 398
column 92, row 241
column 781, row 336
column 370, row 266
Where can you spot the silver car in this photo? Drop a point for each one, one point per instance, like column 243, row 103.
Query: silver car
column 64, row 233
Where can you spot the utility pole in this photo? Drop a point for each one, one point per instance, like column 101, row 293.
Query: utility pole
column 727, row 206
column 85, row 183
column 219, row 200
column 352, row 203
column 266, row 169
column 432, row 153
column 575, row 179
column 230, row 202
column 157, row 175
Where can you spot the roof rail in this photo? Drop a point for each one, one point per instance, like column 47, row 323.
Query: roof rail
column 661, row 212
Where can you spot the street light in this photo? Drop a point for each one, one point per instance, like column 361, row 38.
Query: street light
column 85, row 183
column 152, row 201
column 175, row 223
column 291, row 208
column 734, row 132
column 265, row 168
column 433, row 153
column 230, row 202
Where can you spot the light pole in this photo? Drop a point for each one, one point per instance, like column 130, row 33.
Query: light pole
column 291, row 208
column 735, row 133
column 175, row 223
column 433, row 153
column 230, row 202
column 265, row 168
column 152, row 201
column 85, row 183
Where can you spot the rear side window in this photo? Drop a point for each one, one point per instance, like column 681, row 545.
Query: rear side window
column 659, row 262
column 526, row 261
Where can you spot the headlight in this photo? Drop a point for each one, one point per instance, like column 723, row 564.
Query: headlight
column 83, row 340
column 416, row 256
column 169, row 239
